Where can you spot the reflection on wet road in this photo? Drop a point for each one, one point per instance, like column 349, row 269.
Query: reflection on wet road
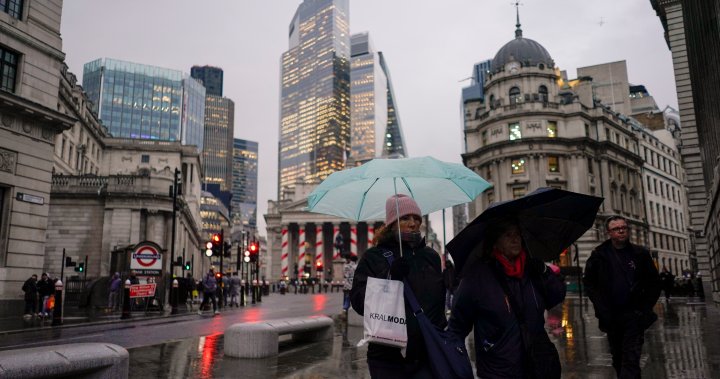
column 683, row 343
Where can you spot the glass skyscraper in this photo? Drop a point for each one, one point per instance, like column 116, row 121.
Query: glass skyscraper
column 244, row 184
column 211, row 77
column 315, row 94
column 375, row 125
column 146, row 102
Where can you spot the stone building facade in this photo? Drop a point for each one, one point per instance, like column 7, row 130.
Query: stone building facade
column 31, row 64
column 128, row 202
column 537, row 129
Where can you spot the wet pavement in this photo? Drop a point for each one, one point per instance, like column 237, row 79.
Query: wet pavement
column 683, row 343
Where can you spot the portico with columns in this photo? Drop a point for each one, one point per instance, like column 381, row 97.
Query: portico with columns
column 298, row 239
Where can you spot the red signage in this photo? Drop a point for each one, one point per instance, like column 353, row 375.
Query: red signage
column 142, row 290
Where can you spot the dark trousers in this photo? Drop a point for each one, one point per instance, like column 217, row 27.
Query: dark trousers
column 30, row 306
column 380, row 369
column 626, row 340
column 207, row 296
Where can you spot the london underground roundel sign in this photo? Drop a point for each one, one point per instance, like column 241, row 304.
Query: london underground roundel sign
column 147, row 257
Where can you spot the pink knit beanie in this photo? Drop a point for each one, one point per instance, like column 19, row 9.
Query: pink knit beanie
column 405, row 204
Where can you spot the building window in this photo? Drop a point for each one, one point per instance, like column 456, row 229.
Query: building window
column 488, row 176
column 552, row 129
column 553, row 163
column 515, row 96
column 518, row 166
column 543, row 94
column 8, row 69
column 590, row 166
column 484, row 137
column 587, row 130
column 490, row 197
column 515, row 131
column 145, row 158
column 518, row 192
column 12, row 7
column 492, row 101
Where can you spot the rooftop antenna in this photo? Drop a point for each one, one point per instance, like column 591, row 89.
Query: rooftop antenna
column 518, row 31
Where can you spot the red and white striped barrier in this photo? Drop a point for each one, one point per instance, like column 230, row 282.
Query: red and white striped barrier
column 353, row 241
column 284, row 254
column 318, row 244
column 336, row 251
column 371, row 235
column 301, row 253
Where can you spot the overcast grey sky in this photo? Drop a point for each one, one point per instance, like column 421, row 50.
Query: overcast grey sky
column 430, row 47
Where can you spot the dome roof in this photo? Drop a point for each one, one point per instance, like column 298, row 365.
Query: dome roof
column 526, row 51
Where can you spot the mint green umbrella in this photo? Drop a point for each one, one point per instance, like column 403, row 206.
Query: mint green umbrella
column 360, row 193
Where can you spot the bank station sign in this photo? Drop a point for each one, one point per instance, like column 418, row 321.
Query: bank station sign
column 146, row 259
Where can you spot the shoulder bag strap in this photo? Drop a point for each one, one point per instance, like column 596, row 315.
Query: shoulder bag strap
column 409, row 295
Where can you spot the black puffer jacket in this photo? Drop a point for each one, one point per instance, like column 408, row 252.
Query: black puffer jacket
column 426, row 281
column 480, row 303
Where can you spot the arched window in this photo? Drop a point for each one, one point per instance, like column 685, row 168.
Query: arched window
column 515, row 96
column 492, row 101
column 543, row 91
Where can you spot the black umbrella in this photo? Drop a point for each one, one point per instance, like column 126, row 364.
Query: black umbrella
column 550, row 220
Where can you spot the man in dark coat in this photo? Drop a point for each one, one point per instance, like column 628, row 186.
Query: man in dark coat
column 623, row 283
column 667, row 280
column 45, row 288
column 30, row 289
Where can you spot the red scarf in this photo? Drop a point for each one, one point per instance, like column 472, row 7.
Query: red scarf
column 512, row 269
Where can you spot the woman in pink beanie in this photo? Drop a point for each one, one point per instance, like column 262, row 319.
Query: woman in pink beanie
column 420, row 266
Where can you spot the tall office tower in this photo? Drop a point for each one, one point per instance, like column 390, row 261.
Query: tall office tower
column 219, row 128
column 211, row 77
column 244, row 184
column 394, row 139
column 375, row 126
column 315, row 94
column 146, row 102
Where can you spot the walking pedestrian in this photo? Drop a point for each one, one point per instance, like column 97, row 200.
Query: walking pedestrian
column 419, row 265
column 45, row 289
column 31, row 296
column 623, row 284
column 348, row 273
column 503, row 294
column 114, row 296
column 234, row 290
column 209, row 284
column 667, row 281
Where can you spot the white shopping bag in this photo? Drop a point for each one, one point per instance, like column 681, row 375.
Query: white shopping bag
column 384, row 317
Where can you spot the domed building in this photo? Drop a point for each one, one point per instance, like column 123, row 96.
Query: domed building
column 534, row 128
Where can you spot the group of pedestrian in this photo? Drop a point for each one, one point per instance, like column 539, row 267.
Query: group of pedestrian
column 38, row 294
column 502, row 293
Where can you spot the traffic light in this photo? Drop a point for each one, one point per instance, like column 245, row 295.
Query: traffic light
column 80, row 267
column 217, row 243
column 246, row 258
column 208, row 249
column 254, row 250
column 69, row 262
column 178, row 261
column 227, row 249
column 218, row 275
column 319, row 265
column 187, row 266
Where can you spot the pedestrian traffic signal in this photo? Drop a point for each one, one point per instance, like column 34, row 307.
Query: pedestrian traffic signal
column 80, row 267
column 187, row 266
column 246, row 257
column 69, row 262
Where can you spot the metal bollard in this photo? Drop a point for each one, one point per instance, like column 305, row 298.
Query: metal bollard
column 174, row 297
column 242, row 293
column 259, row 291
column 57, row 311
column 126, row 301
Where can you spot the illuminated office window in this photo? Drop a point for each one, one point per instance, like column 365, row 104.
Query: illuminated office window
column 552, row 129
column 518, row 166
column 553, row 164
column 515, row 131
